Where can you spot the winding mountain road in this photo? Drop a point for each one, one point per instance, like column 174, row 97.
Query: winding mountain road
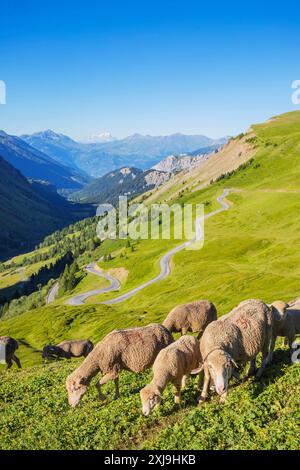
column 52, row 293
column 164, row 265
column 80, row 298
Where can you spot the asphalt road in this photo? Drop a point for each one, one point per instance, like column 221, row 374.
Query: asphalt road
column 80, row 298
column 52, row 293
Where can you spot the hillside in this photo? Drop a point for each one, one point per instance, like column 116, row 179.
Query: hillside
column 125, row 181
column 30, row 211
column 131, row 182
column 97, row 159
column 250, row 251
column 38, row 166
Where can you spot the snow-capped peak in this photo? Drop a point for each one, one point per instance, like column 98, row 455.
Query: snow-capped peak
column 102, row 137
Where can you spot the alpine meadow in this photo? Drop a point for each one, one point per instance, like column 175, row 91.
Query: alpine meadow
column 149, row 232
column 250, row 251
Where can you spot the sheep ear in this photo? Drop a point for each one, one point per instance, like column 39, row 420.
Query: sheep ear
column 198, row 370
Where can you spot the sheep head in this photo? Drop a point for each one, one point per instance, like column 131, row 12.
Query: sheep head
column 50, row 352
column 76, row 387
column 150, row 397
column 221, row 367
column 279, row 310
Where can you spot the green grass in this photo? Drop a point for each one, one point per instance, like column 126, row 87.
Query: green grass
column 34, row 414
column 250, row 251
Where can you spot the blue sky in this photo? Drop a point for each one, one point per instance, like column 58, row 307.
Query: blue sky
column 153, row 67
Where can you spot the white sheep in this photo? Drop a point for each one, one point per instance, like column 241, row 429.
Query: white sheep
column 133, row 349
column 172, row 365
column 286, row 323
column 235, row 338
column 193, row 317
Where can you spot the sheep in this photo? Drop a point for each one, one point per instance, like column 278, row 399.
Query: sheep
column 133, row 349
column 68, row 349
column 172, row 365
column 235, row 338
column 10, row 345
column 286, row 323
column 193, row 317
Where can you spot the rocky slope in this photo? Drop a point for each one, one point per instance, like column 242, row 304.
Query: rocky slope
column 122, row 182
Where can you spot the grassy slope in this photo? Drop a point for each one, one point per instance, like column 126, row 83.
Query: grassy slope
column 251, row 251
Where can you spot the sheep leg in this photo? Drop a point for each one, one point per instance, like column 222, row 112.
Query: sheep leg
column 9, row 363
column 177, row 386
column 251, row 370
column 106, row 378
column 184, row 381
column 271, row 351
column 184, row 331
column 204, row 392
column 264, row 362
column 102, row 397
column 291, row 339
column 201, row 380
column 117, row 392
column 17, row 361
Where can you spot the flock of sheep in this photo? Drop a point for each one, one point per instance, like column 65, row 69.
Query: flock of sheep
column 226, row 344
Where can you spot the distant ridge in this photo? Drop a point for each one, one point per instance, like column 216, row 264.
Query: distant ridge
column 37, row 165
column 98, row 158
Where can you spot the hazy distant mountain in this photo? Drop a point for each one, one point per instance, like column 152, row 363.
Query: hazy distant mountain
column 58, row 146
column 121, row 182
column 30, row 210
column 39, row 166
column 97, row 159
column 101, row 138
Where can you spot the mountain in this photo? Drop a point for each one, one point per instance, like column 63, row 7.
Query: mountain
column 122, row 182
column 37, row 165
column 58, row 146
column 30, row 210
column 100, row 138
column 99, row 158
column 177, row 163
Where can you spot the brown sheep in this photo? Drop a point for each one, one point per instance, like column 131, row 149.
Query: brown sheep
column 133, row 349
column 172, row 365
column 193, row 317
column 286, row 323
column 234, row 338
column 68, row 349
column 8, row 347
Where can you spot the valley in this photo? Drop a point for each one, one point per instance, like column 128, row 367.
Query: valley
column 250, row 251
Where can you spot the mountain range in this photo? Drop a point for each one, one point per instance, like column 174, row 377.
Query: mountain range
column 97, row 159
column 37, row 165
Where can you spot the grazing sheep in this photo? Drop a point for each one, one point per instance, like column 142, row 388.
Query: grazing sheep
column 68, row 349
column 172, row 365
column 193, row 317
column 286, row 323
column 133, row 349
column 237, row 337
column 10, row 345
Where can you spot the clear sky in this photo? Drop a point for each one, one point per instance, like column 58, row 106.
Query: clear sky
column 153, row 67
